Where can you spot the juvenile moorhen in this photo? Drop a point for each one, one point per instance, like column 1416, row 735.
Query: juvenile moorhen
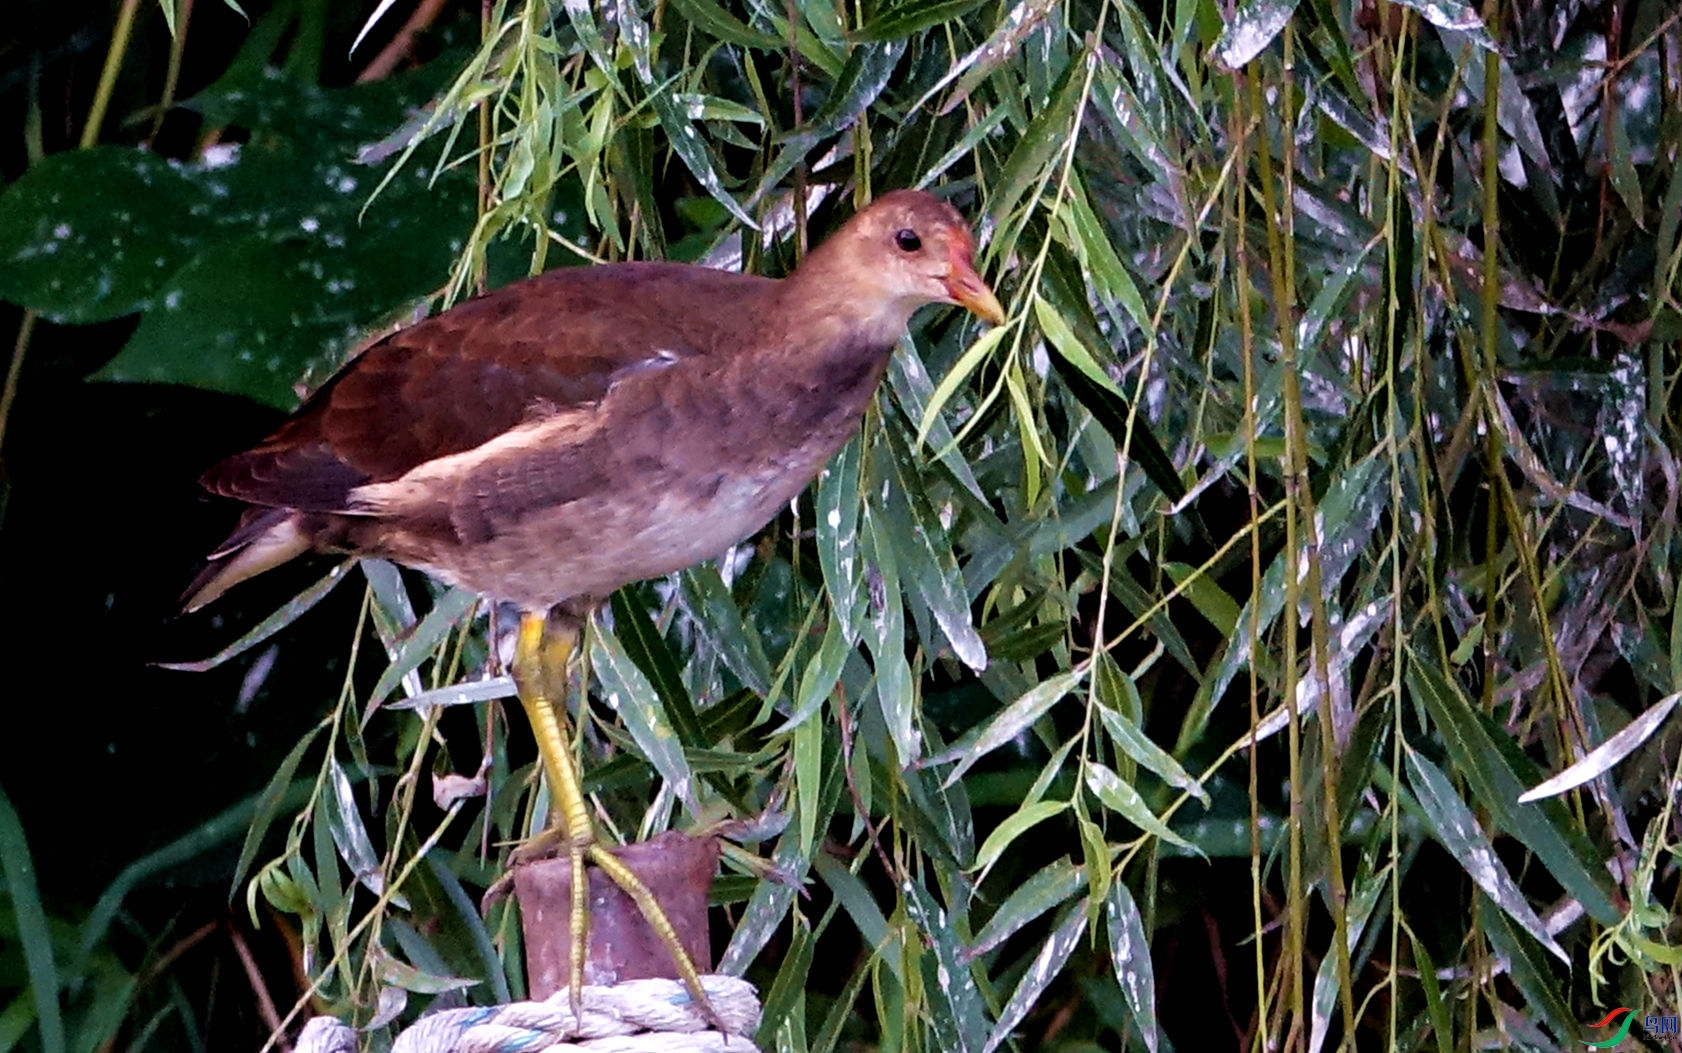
column 571, row 433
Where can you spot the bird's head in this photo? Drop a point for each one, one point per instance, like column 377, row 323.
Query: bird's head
column 906, row 249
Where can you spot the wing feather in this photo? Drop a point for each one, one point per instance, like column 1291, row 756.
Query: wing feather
column 460, row 379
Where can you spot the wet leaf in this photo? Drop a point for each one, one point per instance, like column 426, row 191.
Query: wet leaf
column 1131, row 740
column 1015, row 719
column 1453, row 824
column 1047, row 964
column 926, row 560
column 1130, row 955
column 710, row 18
column 1048, row 888
column 1015, row 825
column 961, row 1020
column 443, row 620
column 628, row 692
column 90, row 235
column 1492, row 768
column 1125, row 801
column 906, row 17
column 1250, row 30
column 885, row 638
column 647, row 648
column 837, row 504
column 857, row 901
column 1605, row 756
column 1046, row 136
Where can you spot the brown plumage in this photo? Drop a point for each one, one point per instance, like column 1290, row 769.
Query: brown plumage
column 590, row 427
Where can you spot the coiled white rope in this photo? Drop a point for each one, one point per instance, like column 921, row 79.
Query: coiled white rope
column 637, row 1016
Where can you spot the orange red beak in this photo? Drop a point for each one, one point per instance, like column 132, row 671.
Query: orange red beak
column 967, row 290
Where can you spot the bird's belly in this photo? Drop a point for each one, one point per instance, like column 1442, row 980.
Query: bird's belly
column 593, row 547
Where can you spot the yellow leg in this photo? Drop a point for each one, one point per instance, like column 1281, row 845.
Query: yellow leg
column 541, row 654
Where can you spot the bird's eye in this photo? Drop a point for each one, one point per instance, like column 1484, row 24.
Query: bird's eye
column 908, row 241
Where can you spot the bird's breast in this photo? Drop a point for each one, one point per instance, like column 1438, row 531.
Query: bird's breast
column 676, row 466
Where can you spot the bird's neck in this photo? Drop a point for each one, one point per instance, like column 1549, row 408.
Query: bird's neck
column 834, row 300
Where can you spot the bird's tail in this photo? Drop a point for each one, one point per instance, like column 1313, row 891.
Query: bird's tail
column 265, row 538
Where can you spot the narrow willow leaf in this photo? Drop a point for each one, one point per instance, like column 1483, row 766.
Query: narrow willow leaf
column 1049, row 887
column 927, row 560
column 1625, row 180
column 1014, row 28
column 321, row 887
column 467, row 916
column 842, row 1011
column 860, row 83
column 714, row 21
column 912, row 387
column 647, row 648
column 1015, row 719
column 1130, row 955
column 786, row 988
column 289, row 612
column 1603, row 757
column 718, row 620
column 1018, row 823
column 808, row 781
column 692, row 149
column 350, row 837
column 1488, row 760
column 857, row 901
column 1048, row 963
column 955, row 377
column 909, row 17
column 1205, row 593
column 766, row 908
column 960, row 1016
column 1454, row 15
column 1350, row 511
column 268, row 804
column 1338, row 284
column 29, row 921
column 1113, row 413
column 1513, row 111
column 837, row 502
column 818, row 679
column 403, row 975
column 1047, row 135
column 966, row 144
column 628, row 691
column 1250, row 30
column 1362, row 900
column 1125, row 801
column 1109, row 275
column 486, row 690
column 1095, row 859
column 1532, row 973
column 1454, row 825
column 895, row 687
column 440, row 622
column 391, row 597
column 1128, row 737
column 1436, row 1006
column 1063, row 338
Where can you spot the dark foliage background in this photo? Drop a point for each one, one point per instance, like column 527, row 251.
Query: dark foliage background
column 1381, row 291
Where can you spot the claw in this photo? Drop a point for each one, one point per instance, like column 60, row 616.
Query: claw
column 541, row 653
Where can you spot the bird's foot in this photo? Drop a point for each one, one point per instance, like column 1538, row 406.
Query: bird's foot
column 541, row 654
